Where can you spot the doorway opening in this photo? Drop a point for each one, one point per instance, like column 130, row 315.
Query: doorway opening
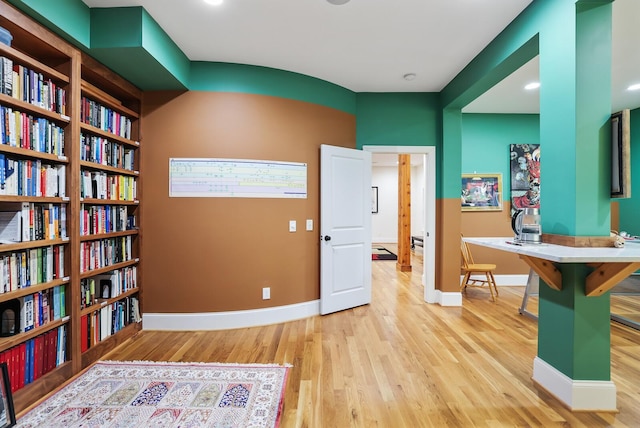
column 428, row 189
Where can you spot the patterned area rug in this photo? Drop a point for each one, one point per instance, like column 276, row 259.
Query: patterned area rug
column 148, row 394
column 381, row 253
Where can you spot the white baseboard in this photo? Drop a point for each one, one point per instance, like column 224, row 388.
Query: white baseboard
column 505, row 280
column 230, row 319
column 448, row 298
column 591, row 395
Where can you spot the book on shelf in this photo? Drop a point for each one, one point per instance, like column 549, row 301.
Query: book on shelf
column 10, row 227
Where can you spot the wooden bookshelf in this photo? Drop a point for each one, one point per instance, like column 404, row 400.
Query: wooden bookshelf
column 63, row 67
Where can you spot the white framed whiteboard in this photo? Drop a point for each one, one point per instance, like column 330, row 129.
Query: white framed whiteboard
column 236, row 178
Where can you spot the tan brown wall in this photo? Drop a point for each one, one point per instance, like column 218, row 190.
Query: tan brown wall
column 447, row 275
column 493, row 223
column 615, row 216
column 216, row 254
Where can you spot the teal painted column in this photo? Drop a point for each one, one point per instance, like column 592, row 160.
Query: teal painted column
column 575, row 98
column 573, row 329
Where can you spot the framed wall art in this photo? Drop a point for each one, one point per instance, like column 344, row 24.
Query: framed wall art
column 7, row 413
column 481, row 192
column 374, row 199
column 525, row 176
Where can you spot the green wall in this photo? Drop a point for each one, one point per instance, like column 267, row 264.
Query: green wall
column 486, row 139
column 397, row 119
column 630, row 208
column 224, row 77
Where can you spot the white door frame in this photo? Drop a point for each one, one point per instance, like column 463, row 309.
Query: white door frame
column 429, row 258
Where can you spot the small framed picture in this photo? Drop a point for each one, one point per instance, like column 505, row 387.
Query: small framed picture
column 7, row 413
column 374, row 199
column 481, row 192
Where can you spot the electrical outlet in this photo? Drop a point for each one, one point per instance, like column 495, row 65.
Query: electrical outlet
column 292, row 225
column 309, row 224
column 266, row 293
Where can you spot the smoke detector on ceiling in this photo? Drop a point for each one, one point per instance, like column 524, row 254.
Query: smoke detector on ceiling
column 338, row 2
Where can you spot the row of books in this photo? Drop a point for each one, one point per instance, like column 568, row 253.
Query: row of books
column 22, row 269
column 34, row 222
column 36, row 357
column 40, row 308
column 31, row 177
column 105, row 252
column 95, row 114
column 108, row 320
column 105, row 219
column 105, row 152
column 107, row 286
column 31, row 86
column 100, row 185
column 19, row 129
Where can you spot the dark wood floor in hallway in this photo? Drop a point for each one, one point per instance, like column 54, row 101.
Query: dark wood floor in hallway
column 400, row 362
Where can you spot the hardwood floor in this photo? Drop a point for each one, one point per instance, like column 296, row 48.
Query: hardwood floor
column 400, row 362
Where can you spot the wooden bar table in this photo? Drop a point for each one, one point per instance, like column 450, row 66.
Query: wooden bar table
column 574, row 338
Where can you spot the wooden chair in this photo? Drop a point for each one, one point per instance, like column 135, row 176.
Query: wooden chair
column 471, row 268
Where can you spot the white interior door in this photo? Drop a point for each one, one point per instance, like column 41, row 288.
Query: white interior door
column 345, row 228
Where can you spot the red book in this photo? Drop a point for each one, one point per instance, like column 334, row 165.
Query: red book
column 13, row 361
column 53, row 349
column 38, row 357
column 22, row 364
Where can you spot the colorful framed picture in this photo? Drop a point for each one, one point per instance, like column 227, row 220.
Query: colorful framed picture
column 481, row 192
column 7, row 413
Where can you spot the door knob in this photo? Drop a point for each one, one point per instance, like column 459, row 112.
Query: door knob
column 327, row 238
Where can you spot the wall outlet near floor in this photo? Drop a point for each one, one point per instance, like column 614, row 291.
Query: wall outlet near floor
column 266, row 293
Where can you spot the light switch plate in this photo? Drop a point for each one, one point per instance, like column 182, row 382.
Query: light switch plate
column 292, row 225
column 309, row 224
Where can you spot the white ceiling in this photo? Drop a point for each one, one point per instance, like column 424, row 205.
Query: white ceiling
column 369, row 45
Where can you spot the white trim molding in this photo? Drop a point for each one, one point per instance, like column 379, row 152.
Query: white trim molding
column 448, row 298
column 591, row 395
column 230, row 319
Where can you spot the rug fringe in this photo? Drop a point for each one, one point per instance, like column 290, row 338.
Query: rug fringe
column 196, row 363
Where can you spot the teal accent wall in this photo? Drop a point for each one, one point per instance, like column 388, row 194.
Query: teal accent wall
column 225, row 77
column 132, row 44
column 573, row 329
column 486, row 140
column 69, row 19
column 630, row 207
column 397, row 119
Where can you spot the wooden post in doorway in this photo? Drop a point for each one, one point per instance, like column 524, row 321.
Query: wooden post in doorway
column 404, row 213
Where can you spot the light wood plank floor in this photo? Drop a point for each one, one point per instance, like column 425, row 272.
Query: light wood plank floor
column 400, row 362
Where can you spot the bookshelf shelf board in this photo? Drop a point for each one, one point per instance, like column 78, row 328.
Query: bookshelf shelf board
column 32, row 244
column 11, row 341
column 105, row 134
column 100, row 167
column 94, row 201
column 30, row 154
column 104, row 302
column 31, row 63
column 90, row 273
column 21, row 292
column 100, row 349
column 105, row 99
column 97, row 236
column 39, row 388
column 31, row 108
column 35, row 199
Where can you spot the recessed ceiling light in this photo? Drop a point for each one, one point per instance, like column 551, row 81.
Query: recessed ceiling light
column 409, row 76
column 338, row 2
column 531, row 86
column 214, row 2
column 634, row 87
